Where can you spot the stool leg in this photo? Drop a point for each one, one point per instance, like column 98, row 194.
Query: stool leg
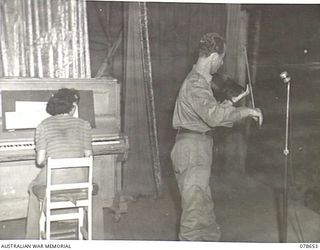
column 80, row 223
column 48, row 229
column 48, row 222
column 42, row 225
column 89, row 221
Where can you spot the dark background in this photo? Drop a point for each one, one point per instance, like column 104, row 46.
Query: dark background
column 288, row 41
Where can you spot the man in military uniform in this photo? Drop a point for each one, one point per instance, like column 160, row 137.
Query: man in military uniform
column 196, row 114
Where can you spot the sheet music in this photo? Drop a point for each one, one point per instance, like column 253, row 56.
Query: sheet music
column 30, row 106
column 28, row 114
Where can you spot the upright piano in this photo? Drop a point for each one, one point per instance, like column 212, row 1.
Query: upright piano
column 99, row 103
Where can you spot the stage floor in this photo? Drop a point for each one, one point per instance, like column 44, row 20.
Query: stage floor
column 247, row 208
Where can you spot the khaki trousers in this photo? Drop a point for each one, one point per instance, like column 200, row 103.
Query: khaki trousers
column 192, row 158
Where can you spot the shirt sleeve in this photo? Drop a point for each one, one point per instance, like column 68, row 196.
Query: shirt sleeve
column 87, row 136
column 210, row 111
column 41, row 143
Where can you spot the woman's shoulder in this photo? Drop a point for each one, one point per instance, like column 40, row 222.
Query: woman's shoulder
column 62, row 118
column 57, row 120
column 46, row 120
column 80, row 121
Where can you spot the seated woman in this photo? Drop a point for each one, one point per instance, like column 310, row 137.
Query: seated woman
column 59, row 136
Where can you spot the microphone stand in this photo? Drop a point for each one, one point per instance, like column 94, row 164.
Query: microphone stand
column 286, row 79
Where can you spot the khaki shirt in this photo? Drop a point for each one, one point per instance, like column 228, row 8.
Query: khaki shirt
column 197, row 109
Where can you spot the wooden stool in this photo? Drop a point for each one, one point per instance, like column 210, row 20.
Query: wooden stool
column 67, row 201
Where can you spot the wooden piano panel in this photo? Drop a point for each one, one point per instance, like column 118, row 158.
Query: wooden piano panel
column 15, row 179
column 16, row 174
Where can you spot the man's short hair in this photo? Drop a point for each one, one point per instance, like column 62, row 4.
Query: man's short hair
column 62, row 101
column 210, row 43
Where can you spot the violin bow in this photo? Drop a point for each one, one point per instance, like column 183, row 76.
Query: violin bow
column 249, row 76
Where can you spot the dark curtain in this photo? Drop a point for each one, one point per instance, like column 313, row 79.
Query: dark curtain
column 175, row 30
column 139, row 176
column 106, row 21
column 233, row 142
column 44, row 39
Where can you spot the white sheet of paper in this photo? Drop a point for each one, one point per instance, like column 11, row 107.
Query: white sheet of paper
column 24, row 120
column 25, row 106
column 28, row 114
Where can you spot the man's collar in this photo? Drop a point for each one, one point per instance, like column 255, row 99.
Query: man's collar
column 208, row 77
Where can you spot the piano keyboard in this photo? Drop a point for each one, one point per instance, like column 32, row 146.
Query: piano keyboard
column 16, row 146
column 30, row 145
column 24, row 150
column 101, row 142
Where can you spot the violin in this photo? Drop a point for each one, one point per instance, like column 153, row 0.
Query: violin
column 226, row 89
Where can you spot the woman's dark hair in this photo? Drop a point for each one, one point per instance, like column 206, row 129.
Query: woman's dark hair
column 62, row 101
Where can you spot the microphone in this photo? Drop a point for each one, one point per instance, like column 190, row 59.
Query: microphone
column 284, row 76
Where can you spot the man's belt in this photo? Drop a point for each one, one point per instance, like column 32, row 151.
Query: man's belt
column 188, row 131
